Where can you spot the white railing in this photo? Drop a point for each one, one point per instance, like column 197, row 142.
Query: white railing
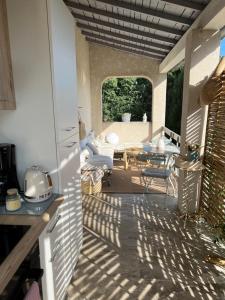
column 172, row 135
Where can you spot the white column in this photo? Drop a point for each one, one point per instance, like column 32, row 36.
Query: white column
column 201, row 58
column 158, row 103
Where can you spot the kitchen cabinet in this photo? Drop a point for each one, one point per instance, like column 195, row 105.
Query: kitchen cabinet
column 61, row 241
column 53, row 257
column 42, row 39
column 71, row 189
column 65, row 242
column 62, row 47
column 7, row 94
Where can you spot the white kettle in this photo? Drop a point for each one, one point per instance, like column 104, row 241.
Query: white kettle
column 37, row 184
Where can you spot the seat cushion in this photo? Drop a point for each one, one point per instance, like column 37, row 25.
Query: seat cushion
column 156, row 173
column 101, row 161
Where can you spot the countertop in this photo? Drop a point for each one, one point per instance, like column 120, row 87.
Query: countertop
column 20, row 251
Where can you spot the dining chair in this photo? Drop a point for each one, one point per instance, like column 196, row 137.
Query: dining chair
column 151, row 159
column 149, row 174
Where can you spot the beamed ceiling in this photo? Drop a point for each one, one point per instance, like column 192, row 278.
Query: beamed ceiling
column 145, row 27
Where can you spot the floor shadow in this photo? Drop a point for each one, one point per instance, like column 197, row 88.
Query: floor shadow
column 130, row 181
column 136, row 247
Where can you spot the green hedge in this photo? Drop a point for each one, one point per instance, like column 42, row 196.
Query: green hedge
column 129, row 94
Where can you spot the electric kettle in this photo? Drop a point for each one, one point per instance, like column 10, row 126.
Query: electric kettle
column 37, row 184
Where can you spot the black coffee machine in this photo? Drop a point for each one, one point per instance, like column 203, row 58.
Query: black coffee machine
column 8, row 173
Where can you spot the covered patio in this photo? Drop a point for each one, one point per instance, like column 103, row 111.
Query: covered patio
column 169, row 32
column 136, row 246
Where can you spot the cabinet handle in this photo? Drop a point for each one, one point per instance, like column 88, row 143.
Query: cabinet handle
column 71, row 145
column 50, row 230
column 70, row 128
column 57, row 248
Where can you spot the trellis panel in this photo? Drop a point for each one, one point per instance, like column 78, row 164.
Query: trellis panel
column 213, row 183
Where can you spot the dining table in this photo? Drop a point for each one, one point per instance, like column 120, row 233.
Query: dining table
column 151, row 149
column 168, row 149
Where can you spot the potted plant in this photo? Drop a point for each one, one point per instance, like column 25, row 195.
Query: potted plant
column 193, row 152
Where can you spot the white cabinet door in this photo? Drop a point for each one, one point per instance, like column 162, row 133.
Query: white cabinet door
column 61, row 240
column 64, row 77
column 76, row 227
column 69, row 175
column 53, row 258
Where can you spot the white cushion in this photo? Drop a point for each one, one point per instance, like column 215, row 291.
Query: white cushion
column 101, row 161
column 89, row 151
column 93, row 148
column 84, row 155
column 156, row 173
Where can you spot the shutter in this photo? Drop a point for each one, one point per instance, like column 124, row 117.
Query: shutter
column 212, row 204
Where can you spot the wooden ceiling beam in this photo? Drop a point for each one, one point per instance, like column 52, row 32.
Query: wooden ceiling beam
column 188, row 4
column 124, row 37
column 125, row 29
column 148, row 11
column 124, row 49
column 122, row 18
column 123, row 43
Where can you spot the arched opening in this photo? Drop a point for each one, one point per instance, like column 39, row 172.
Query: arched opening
column 131, row 95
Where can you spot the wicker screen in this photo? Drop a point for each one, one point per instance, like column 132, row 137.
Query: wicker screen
column 213, row 182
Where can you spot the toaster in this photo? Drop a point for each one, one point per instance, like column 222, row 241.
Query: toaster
column 37, row 184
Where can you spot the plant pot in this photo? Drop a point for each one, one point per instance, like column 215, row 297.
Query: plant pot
column 126, row 117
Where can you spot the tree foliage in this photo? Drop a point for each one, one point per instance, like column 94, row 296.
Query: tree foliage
column 174, row 99
column 126, row 95
column 134, row 95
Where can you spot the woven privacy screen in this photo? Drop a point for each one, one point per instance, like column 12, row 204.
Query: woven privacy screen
column 213, row 182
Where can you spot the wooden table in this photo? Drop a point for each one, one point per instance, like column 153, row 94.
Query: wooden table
column 129, row 154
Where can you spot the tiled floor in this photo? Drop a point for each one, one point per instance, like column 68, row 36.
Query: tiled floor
column 136, row 247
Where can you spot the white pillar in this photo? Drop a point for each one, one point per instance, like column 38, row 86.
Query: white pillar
column 201, row 58
column 158, row 103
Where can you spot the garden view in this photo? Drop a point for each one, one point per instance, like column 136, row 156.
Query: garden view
column 134, row 95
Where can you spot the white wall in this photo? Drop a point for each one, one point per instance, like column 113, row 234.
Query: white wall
column 83, row 79
column 129, row 132
column 28, row 31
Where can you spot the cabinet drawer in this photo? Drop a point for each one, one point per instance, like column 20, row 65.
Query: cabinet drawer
column 69, row 165
column 66, row 131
